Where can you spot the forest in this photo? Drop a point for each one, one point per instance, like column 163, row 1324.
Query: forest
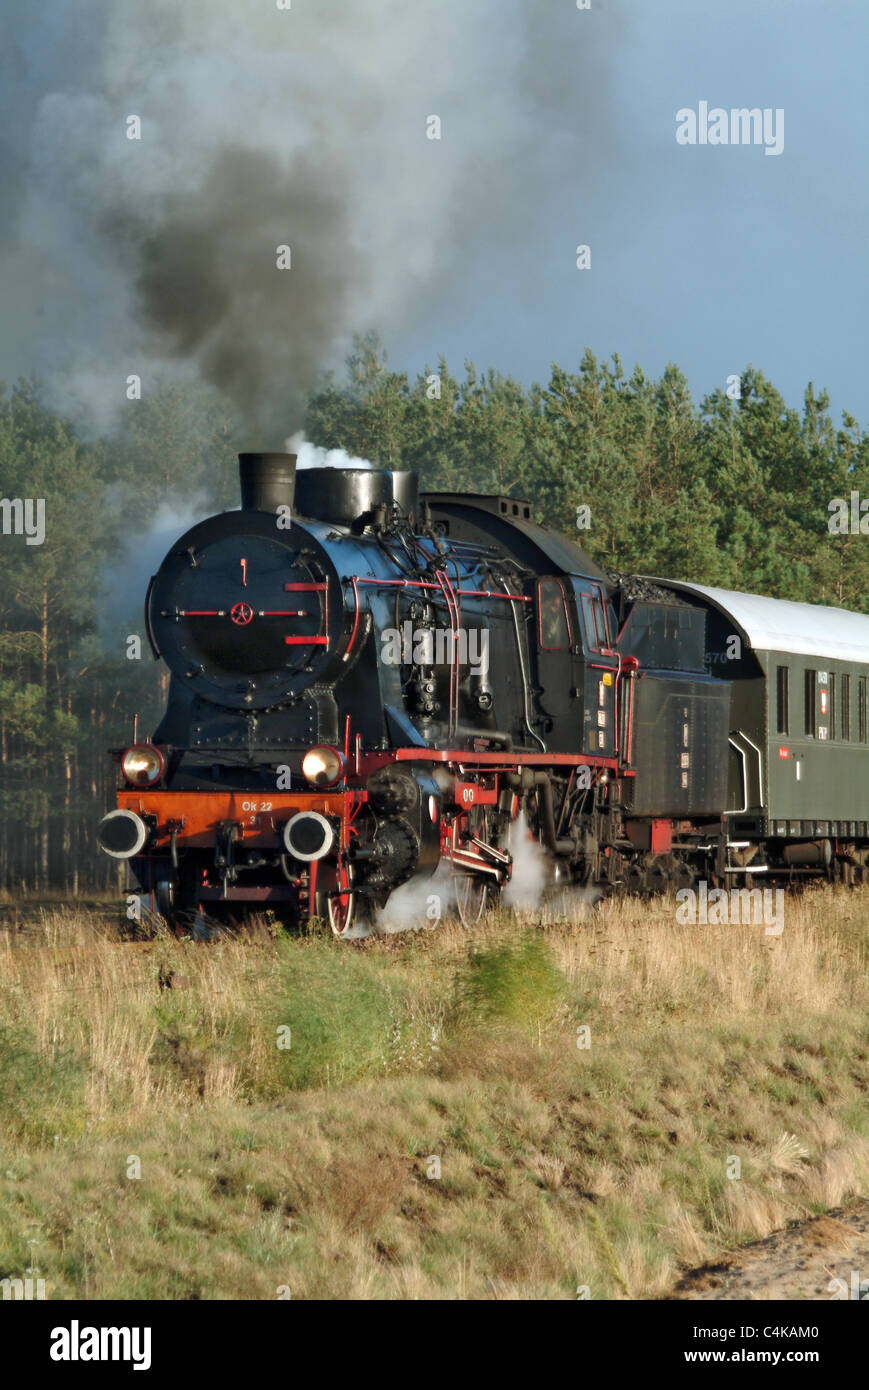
column 736, row 491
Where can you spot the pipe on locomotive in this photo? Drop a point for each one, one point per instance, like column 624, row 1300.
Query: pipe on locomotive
column 538, row 781
column 268, row 481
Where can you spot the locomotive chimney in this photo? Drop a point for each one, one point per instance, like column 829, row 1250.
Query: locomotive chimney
column 268, row 481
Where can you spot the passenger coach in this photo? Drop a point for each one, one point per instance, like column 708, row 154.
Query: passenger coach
column 798, row 771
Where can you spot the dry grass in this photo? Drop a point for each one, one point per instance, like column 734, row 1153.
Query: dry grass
column 452, row 1052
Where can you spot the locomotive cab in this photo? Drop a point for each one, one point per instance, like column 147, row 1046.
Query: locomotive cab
column 576, row 665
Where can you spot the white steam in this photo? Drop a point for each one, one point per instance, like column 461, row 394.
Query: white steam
column 314, row 456
column 419, row 904
column 125, row 579
column 529, row 878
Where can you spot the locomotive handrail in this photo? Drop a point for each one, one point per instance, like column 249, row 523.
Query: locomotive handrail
column 524, row 672
column 426, row 584
column 455, row 624
column 354, row 581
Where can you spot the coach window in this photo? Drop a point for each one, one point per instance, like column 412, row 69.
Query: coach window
column 783, row 674
column 861, row 709
column 831, row 712
column 552, row 625
column 846, row 707
column 811, row 687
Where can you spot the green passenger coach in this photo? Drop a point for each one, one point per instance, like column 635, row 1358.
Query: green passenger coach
column 798, row 743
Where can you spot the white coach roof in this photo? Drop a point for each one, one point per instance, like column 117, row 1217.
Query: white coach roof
column 777, row 625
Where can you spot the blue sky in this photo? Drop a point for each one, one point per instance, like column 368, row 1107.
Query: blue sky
column 712, row 257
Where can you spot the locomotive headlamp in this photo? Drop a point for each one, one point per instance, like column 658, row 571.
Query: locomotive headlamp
column 143, row 764
column 322, row 766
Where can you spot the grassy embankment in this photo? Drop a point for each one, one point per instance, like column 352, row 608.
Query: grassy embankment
column 308, row 1167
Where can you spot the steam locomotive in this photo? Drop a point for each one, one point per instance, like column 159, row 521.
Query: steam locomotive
column 368, row 683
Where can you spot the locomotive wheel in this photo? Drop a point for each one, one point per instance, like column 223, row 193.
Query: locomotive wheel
column 634, row 878
column 335, row 899
column 657, row 878
column 472, row 896
column 683, row 875
column 474, row 893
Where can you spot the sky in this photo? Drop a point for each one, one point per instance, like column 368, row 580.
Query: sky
column 310, row 127
column 711, row 257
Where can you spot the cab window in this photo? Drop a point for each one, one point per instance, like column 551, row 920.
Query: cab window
column 596, row 626
column 553, row 630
